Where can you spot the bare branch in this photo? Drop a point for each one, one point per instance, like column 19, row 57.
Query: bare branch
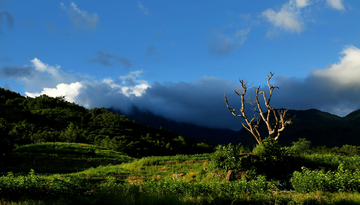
column 280, row 117
column 250, row 127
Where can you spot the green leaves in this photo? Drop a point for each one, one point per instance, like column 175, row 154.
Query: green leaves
column 33, row 186
column 331, row 181
column 227, row 157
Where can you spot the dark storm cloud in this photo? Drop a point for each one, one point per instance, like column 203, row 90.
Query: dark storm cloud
column 107, row 59
column 6, row 19
column 202, row 103
column 106, row 96
column 199, row 102
column 16, row 72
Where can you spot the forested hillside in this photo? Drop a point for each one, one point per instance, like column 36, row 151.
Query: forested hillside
column 25, row 120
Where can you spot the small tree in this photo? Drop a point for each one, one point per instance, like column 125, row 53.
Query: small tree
column 274, row 129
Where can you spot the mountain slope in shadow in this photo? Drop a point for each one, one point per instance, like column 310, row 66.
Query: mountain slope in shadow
column 217, row 136
column 321, row 128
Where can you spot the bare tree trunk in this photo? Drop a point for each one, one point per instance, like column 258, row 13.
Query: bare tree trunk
column 281, row 119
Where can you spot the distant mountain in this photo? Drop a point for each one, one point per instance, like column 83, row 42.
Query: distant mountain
column 217, row 136
column 321, row 128
column 353, row 118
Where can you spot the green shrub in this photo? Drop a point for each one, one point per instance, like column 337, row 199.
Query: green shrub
column 273, row 158
column 226, row 157
column 300, row 147
column 330, row 181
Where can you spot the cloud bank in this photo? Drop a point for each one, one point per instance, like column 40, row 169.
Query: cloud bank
column 333, row 89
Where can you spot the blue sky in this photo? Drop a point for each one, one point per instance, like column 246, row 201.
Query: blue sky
column 178, row 58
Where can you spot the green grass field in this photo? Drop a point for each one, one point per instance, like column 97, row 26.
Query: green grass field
column 70, row 173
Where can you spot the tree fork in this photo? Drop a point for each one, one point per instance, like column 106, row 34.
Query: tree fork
column 281, row 119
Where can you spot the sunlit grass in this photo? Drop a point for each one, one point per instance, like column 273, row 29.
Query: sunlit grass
column 180, row 179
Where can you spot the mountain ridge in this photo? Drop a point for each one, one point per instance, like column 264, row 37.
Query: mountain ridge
column 321, row 128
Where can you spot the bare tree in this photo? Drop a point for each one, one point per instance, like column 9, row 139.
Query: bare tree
column 281, row 119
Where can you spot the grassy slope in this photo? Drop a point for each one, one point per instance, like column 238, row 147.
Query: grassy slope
column 96, row 162
column 60, row 157
column 189, row 168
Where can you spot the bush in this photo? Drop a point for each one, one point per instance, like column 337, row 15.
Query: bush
column 330, row 181
column 273, row 158
column 227, row 157
column 300, row 147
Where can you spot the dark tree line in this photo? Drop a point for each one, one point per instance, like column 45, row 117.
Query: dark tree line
column 25, row 120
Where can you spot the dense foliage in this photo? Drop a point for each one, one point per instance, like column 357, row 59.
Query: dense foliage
column 25, row 120
column 331, row 181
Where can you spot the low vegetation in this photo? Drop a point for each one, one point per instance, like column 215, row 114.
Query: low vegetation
column 316, row 175
column 55, row 152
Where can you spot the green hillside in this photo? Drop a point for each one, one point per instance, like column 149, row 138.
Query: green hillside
column 25, row 120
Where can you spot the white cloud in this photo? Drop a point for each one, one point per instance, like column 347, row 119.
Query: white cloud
column 336, row 4
column 136, row 87
column 335, row 89
column 145, row 10
column 346, row 72
column 37, row 76
column 42, row 67
column 105, row 93
column 81, row 19
column 302, row 3
column 70, row 91
column 46, row 75
column 288, row 18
